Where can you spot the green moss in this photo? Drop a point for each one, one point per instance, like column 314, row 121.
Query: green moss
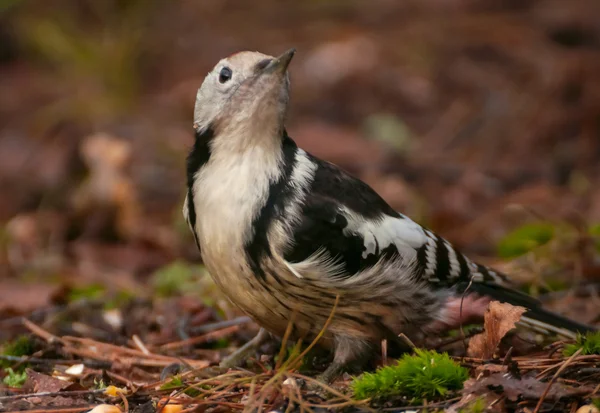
column 119, row 300
column 590, row 343
column 425, row 375
column 477, row 406
column 14, row 379
column 594, row 231
column 99, row 384
column 524, row 239
column 176, row 278
column 87, row 292
column 21, row 346
column 177, row 383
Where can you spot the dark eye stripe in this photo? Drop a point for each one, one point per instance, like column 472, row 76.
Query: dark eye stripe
column 262, row 64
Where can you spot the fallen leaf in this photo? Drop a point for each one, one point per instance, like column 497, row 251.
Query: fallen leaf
column 499, row 319
column 526, row 388
column 37, row 383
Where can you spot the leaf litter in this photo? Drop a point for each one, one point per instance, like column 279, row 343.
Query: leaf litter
column 134, row 347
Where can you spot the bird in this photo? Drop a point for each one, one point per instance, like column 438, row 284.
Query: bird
column 294, row 240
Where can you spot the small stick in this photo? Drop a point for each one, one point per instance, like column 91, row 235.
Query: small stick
column 560, row 370
column 139, row 344
column 40, row 332
column 51, row 393
column 35, row 360
column 125, row 402
column 200, row 339
column 407, row 340
column 207, row 328
column 69, row 410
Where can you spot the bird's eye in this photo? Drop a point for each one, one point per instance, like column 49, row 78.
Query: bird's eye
column 225, row 74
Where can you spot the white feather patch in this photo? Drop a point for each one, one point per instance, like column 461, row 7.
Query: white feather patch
column 380, row 233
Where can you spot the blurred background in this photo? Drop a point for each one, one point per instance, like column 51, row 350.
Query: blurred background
column 478, row 118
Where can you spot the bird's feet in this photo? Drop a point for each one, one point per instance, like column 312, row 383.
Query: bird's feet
column 241, row 354
column 325, row 379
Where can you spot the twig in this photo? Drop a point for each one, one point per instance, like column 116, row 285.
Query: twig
column 125, row 402
column 40, row 332
column 51, row 393
column 105, row 351
column 462, row 299
column 318, row 337
column 207, row 328
column 69, row 410
column 560, row 370
column 200, row 339
column 36, row 360
column 284, row 340
column 407, row 340
column 139, row 344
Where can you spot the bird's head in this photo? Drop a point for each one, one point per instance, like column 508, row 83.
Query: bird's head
column 246, row 91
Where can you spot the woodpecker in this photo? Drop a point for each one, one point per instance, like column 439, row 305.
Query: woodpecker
column 288, row 236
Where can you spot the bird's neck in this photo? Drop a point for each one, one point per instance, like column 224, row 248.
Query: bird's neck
column 229, row 183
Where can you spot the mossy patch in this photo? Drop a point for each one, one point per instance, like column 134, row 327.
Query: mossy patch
column 21, row 346
column 525, row 239
column 424, row 375
column 589, row 343
column 14, row 378
column 177, row 278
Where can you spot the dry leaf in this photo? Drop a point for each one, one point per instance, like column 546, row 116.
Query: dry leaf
column 499, row 319
column 527, row 388
column 38, row 383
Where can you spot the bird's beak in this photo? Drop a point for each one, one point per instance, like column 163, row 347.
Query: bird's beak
column 281, row 63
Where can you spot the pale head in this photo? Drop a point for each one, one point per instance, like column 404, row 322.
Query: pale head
column 247, row 88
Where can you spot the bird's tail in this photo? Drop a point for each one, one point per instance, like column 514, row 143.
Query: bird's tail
column 536, row 318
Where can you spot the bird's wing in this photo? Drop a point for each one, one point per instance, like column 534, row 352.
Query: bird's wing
column 345, row 218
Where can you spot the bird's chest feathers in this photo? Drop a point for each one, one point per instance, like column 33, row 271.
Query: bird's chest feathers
column 228, row 194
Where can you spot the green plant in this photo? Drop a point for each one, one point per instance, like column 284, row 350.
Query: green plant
column 86, row 292
column 95, row 52
column 176, row 278
column 99, row 384
column 21, row 346
column 175, row 383
column 525, row 239
column 594, row 231
column 476, row 406
column 119, row 299
column 14, row 379
column 589, row 343
column 425, row 375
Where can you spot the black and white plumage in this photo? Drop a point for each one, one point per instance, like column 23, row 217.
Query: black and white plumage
column 283, row 232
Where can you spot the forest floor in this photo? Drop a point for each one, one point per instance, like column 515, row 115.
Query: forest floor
column 480, row 122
